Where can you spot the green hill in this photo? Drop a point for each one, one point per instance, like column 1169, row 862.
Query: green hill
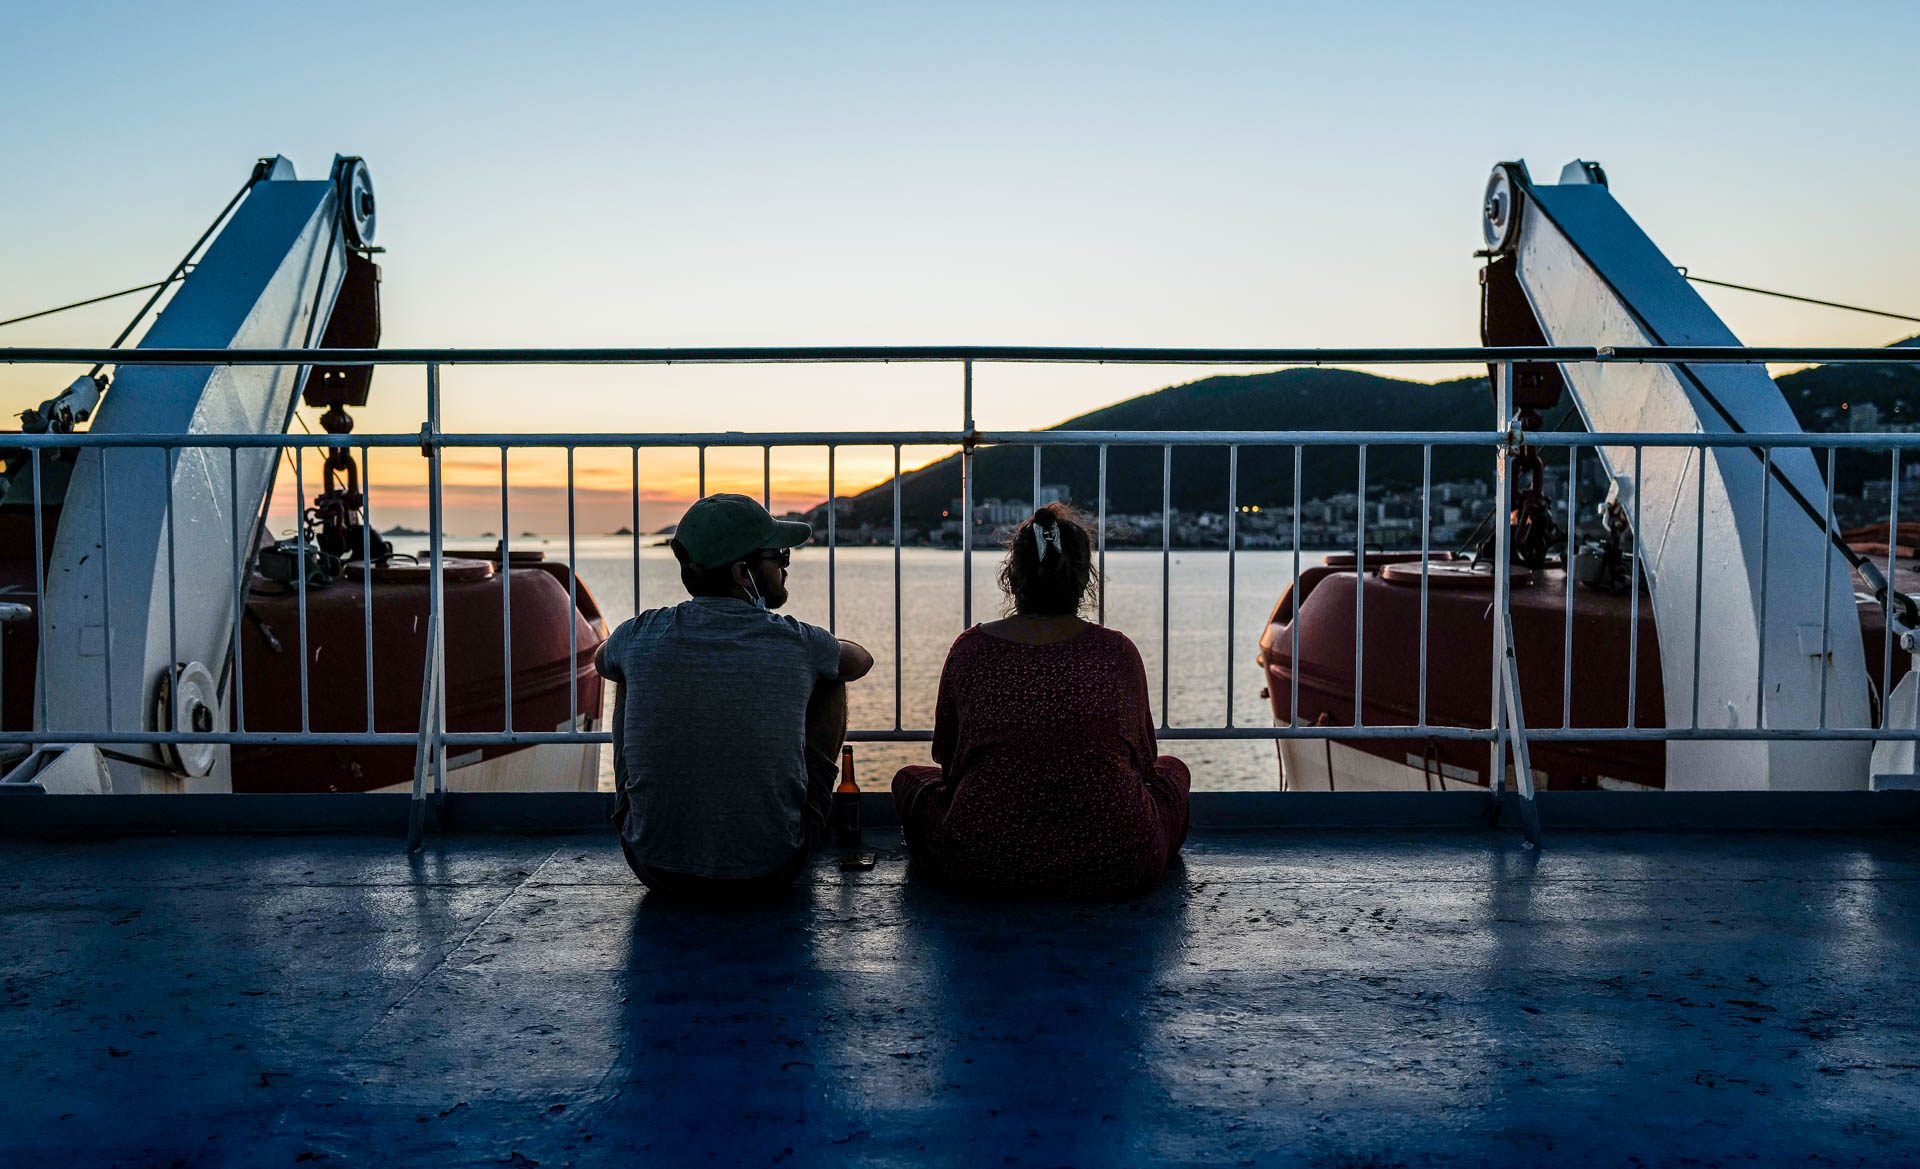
column 1293, row 399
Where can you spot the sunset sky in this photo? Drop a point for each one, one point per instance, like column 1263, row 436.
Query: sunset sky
column 1075, row 174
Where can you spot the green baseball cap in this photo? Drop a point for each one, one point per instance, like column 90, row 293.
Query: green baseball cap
column 720, row 529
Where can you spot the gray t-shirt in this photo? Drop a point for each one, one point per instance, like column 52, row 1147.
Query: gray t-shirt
column 714, row 738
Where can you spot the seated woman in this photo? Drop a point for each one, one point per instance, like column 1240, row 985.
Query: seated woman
column 1048, row 781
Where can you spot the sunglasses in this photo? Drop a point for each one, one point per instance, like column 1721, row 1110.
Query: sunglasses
column 784, row 556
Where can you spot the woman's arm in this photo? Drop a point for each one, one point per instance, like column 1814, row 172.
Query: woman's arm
column 946, row 710
column 1140, row 700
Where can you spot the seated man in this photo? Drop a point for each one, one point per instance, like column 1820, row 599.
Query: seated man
column 728, row 719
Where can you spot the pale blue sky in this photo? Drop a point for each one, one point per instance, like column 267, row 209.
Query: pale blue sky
column 1101, row 174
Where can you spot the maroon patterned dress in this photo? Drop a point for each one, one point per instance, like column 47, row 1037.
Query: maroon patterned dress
column 1048, row 781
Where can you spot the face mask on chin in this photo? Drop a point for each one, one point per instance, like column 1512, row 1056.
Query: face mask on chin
column 759, row 602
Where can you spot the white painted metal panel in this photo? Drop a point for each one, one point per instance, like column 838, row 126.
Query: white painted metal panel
column 274, row 268
column 1594, row 278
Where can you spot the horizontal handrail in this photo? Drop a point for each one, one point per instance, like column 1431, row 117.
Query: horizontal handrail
column 1018, row 354
column 1817, row 440
column 1386, row 731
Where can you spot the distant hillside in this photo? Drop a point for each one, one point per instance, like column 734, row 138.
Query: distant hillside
column 1823, row 398
column 1293, row 399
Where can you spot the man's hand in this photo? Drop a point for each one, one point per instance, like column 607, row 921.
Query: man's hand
column 854, row 662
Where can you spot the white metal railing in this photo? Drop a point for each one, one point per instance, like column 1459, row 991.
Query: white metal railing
column 1503, row 731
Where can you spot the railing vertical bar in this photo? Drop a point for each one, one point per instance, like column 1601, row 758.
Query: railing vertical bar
column 573, row 609
column 1633, row 594
column 1699, row 568
column 766, row 477
column 1502, row 582
column 1566, row 565
column 1101, row 535
column 1766, row 533
column 635, row 528
column 171, row 456
column 366, row 574
column 300, row 573
column 106, row 582
column 1426, row 563
column 1360, row 587
column 1293, row 662
column 1233, row 539
column 966, row 495
column 1166, row 585
column 1036, row 476
column 1886, row 601
column 703, row 472
column 1826, row 590
column 240, row 561
column 506, row 600
column 896, row 586
column 833, row 544
column 40, row 587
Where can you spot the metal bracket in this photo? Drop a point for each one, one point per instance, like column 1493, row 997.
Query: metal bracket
column 1517, row 737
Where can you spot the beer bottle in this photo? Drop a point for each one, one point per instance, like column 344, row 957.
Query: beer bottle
column 846, row 804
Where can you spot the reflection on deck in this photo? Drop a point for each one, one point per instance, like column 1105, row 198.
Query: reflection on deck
column 1333, row 997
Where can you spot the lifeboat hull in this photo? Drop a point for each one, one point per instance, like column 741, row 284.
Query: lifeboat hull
column 1459, row 690
column 554, row 685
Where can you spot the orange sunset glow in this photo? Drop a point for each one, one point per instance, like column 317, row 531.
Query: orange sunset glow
column 608, row 484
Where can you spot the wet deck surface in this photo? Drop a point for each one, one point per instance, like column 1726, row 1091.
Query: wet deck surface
column 1343, row 999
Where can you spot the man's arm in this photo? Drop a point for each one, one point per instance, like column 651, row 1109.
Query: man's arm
column 855, row 661
column 606, row 656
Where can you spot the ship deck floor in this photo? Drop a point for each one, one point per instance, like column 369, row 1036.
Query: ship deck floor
column 1339, row 997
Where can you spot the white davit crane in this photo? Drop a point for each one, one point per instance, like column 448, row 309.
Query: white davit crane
column 1590, row 277
column 145, row 564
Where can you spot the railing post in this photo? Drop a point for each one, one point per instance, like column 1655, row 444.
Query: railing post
column 431, row 745
column 1509, row 719
column 1502, row 558
column 1522, row 759
column 437, row 503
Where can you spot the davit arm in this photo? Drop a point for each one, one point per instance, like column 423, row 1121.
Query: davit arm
column 1778, row 634
column 146, row 561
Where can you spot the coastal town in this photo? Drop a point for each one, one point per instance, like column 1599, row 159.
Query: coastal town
column 1389, row 515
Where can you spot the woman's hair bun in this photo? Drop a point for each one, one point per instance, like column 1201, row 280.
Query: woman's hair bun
column 1049, row 565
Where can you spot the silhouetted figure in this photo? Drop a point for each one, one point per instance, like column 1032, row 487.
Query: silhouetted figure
column 729, row 718
column 1047, row 781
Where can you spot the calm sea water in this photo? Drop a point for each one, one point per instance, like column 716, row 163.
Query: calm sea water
column 930, row 618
